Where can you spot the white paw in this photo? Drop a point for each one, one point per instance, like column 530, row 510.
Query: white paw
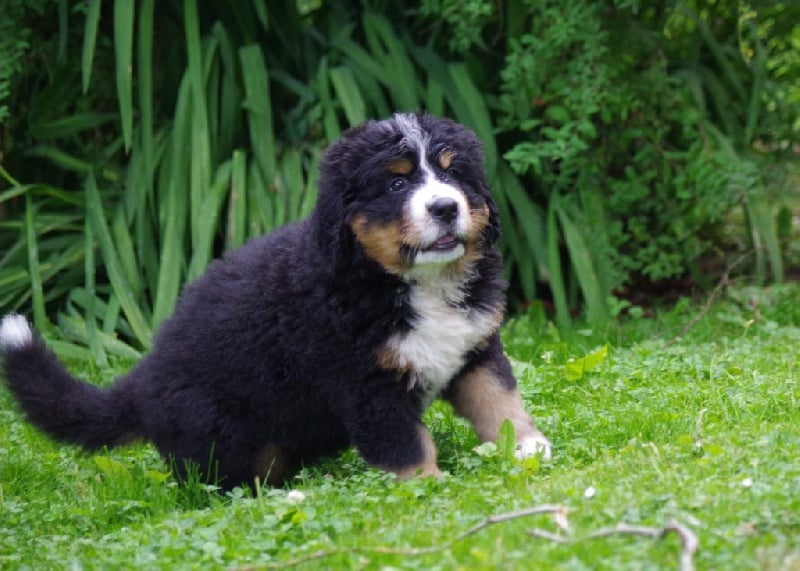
column 532, row 445
column 15, row 332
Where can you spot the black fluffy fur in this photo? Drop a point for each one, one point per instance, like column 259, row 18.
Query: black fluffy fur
column 276, row 342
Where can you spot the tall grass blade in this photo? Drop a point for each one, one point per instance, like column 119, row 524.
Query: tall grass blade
column 258, row 105
column 89, row 41
column 116, row 273
column 402, row 80
column 175, row 209
column 91, row 320
column 759, row 70
column 237, row 201
column 123, row 244
column 530, row 219
column 514, row 245
column 208, row 219
column 348, row 94
column 764, row 234
column 330, row 120
column 470, row 106
column 123, row 51
column 34, row 270
column 555, row 265
column 200, row 167
column 718, row 52
column 145, row 85
column 65, row 127
column 77, row 328
column 310, row 192
column 580, row 255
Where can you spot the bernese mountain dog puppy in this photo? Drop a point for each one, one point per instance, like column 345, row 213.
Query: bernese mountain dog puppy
column 334, row 331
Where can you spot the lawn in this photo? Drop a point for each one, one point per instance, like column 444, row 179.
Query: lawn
column 687, row 417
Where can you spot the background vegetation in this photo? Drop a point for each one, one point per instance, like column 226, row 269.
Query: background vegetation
column 628, row 142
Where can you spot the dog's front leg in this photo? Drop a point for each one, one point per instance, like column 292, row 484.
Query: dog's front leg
column 417, row 457
column 389, row 435
column 486, row 394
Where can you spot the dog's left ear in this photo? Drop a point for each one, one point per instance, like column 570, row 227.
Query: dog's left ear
column 491, row 234
column 334, row 237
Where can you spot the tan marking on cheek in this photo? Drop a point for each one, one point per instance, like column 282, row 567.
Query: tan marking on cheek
column 479, row 219
column 446, row 158
column 400, row 166
column 270, row 465
column 426, row 467
column 481, row 398
column 381, row 243
column 473, row 248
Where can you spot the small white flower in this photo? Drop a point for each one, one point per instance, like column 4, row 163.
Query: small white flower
column 747, row 482
column 547, row 356
column 589, row 492
column 295, row 496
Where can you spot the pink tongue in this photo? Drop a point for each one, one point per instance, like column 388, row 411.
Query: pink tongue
column 444, row 241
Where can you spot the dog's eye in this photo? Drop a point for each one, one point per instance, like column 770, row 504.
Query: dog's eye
column 453, row 172
column 397, row 184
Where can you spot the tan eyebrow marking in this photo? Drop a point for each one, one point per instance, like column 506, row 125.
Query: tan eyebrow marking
column 446, row 158
column 400, row 166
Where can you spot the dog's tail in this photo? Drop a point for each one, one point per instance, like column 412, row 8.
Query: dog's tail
column 64, row 407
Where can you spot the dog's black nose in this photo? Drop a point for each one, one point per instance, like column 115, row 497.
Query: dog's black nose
column 444, row 209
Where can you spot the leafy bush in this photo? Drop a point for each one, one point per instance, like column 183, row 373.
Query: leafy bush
column 640, row 129
column 143, row 139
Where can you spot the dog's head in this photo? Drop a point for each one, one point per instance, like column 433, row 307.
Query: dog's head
column 410, row 193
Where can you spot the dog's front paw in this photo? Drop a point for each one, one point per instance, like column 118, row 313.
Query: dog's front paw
column 532, row 445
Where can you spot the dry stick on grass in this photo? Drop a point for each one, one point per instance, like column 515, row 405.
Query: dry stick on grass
column 689, row 541
column 560, row 512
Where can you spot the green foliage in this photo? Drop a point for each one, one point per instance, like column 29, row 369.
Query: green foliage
column 703, row 429
column 645, row 150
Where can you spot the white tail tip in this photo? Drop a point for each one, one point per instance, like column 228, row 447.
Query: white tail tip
column 15, row 332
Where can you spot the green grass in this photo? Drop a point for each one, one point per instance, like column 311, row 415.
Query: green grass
column 703, row 429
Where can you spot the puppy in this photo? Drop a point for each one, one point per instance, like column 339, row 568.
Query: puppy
column 334, row 331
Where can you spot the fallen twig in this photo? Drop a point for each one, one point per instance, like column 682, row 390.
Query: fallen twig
column 560, row 512
column 689, row 541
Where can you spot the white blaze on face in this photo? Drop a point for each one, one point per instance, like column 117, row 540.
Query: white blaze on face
column 426, row 228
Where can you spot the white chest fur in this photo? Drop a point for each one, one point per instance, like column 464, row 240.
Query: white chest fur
column 442, row 335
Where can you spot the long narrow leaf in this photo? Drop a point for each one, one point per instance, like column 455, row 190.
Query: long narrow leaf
column 764, row 234
column 91, row 320
column 580, row 255
column 556, row 273
column 116, row 273
column 39, row 314
column 123, row 50
column 89, row 41
column 348, row 95
column 209, row 216
column 760, row 72
column 259, row 109
column 237, row 202
column 200, row 162
column 175, row 209
column 145, row 85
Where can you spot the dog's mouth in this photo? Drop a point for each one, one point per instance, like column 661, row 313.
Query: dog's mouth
column 444, row 243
